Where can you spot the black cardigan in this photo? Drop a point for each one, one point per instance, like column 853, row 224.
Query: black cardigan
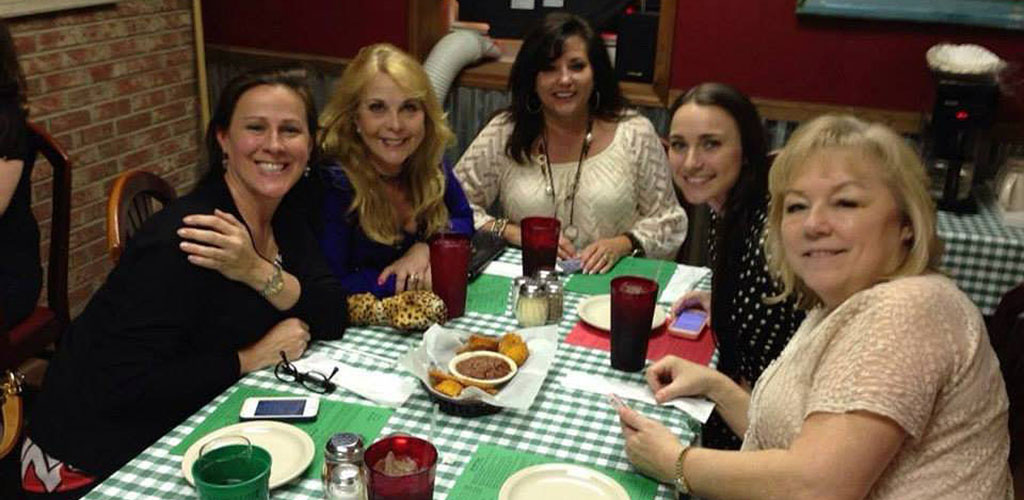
column 160, row 338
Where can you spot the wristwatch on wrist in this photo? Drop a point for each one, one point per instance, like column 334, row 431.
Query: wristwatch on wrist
column 275, row 283
column 680, row 480
column 634, row 242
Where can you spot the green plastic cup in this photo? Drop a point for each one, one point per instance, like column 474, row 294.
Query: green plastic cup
column 232, row 472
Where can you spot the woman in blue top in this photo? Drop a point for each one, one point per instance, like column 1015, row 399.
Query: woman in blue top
column 387, row 192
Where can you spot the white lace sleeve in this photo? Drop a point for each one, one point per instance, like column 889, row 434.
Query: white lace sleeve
column 479, row 169
column 662, row 226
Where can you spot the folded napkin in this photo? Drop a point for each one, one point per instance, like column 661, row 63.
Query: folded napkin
column 697, row 408
column 684, row 279
column 387, row 389
column 661, row 343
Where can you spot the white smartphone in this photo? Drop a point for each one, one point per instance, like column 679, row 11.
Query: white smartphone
column 289, row 409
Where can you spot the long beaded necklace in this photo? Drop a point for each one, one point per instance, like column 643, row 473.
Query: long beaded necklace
column 571, row 231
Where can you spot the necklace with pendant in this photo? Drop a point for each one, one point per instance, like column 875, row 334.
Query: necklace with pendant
column 570, row 231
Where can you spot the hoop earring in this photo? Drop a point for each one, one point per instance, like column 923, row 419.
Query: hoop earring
column 532, row 111
column 597, row 104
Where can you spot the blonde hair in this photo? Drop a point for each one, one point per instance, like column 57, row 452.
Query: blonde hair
column 339, row 141
column 902, row 171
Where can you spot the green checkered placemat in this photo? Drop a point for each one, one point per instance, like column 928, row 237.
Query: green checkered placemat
column 333, row 416
column 492, row 465
column 563, row 424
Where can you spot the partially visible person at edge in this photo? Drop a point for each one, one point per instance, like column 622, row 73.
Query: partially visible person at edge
column 383, row 138
column 718, row 156
column 221, row 283
column 890, row 388
column 567, row 147
column 21, row 276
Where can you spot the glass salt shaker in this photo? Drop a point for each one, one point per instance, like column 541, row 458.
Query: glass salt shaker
column 346, row 483
column 513, row 293
column 344, row 473
column 532, row 305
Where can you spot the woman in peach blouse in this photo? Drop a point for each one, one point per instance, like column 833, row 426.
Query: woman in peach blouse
column 890, row 388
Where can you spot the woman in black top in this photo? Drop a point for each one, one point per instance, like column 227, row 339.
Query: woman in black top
column 21, row 277
column 718, row 156
column 212, row 287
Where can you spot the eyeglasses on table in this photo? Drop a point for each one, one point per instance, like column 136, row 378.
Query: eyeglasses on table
column 313, row 380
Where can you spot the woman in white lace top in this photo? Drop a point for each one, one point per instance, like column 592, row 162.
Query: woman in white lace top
column 567, row 148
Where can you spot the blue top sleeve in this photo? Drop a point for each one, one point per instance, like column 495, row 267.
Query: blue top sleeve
column 356, row 259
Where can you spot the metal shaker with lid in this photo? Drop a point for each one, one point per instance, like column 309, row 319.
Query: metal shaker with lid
column 532, row 304
column 556, row 300
column 343, row 455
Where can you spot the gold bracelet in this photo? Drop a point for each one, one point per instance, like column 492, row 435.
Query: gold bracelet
column 274, row 284
column 682, row 486
column 498, row 227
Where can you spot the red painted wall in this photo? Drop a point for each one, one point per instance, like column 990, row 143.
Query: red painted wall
column 325, row 27
column 763, row 48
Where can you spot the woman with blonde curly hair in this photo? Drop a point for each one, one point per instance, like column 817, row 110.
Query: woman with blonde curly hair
column 383, row 136
column 890, row 388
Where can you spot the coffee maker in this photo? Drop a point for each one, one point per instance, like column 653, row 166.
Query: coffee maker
column 957, row 135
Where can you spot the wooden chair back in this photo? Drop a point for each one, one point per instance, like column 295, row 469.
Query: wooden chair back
column 136, row 195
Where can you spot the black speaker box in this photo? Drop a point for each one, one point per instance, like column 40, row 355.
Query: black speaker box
column 635, row 47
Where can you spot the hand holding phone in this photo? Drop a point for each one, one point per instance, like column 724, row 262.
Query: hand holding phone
column 288, row 409
column 689, row 323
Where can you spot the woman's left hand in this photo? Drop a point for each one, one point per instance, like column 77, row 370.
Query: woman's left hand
column 221, row 242
column 601, row 255
column 650, row 446
column 412, row 270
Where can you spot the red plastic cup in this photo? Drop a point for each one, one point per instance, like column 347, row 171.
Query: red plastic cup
column 540, row 243
column 449, row 270
column 633, row 300
column 416, row 486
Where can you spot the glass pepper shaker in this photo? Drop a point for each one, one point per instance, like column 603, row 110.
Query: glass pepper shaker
column 555, row 301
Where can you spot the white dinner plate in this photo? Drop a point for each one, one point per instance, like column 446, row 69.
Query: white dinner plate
column 291, row 450
column 596, row 311
column 561, row 481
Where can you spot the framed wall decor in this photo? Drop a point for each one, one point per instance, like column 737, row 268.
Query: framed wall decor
column 14, row 8
column 1006, row 14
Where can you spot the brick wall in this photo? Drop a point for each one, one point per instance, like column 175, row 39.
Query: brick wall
column 116, row 86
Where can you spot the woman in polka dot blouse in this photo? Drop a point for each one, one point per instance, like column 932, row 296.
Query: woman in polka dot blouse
column 718, row 156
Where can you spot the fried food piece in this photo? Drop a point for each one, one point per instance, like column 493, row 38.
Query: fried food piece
column 438, row 376
column 449, row 387
column 512, row 345
column 479, row 343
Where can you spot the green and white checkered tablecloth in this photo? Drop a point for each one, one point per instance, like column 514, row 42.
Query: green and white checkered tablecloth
column 565, row 424
column 983, row 256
